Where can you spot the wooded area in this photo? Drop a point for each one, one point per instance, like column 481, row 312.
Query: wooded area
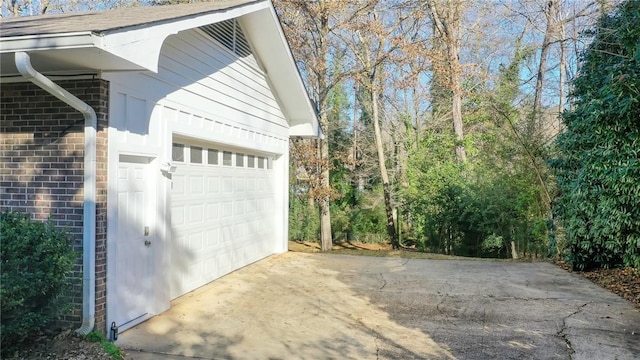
column 492, row 128
column 442, row 120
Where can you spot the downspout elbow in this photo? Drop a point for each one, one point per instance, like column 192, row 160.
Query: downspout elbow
column 23, row 63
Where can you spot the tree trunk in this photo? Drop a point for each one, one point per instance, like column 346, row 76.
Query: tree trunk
column 514, row 253
column 563, row 74
column 461, row 154
column 416, row 116
column 447, row 22
column 326, row 239
column 386, row 188
column 15, row 9
column 453, row 50
column 550, row 13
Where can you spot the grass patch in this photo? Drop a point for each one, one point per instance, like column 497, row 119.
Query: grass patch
column 109, row 347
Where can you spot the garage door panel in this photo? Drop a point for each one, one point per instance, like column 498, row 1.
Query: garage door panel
column 213, row 184
column 239, row 184
column 196, row 184
column 212, row 212
column 210, row 251
column 177, row 187
column 195, row 242
column 177, row 215
column 222, row 220
column 251, row 184
column 227, row 184
column 238, row 208
column 196, row 212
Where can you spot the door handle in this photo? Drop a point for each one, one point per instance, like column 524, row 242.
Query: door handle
column 147, row 243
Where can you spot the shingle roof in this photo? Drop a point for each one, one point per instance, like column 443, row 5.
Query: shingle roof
column 109, row 20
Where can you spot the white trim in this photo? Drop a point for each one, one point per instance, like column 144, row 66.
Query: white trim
column 72, row 40
column 276, row 57
column 53, row 76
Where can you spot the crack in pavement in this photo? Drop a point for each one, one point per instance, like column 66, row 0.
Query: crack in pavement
column 443, row 299
column 384, row 282
column 561, row 333
column 375, row 341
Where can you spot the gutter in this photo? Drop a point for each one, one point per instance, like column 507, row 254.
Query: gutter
column 74, row 40
column 23, row 63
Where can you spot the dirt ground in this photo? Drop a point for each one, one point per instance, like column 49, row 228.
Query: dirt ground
column 67, row 345
column 64, row 345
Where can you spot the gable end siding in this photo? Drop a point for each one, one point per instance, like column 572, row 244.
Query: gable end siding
column 195, row 64
column 41, row 169
column 202, row 90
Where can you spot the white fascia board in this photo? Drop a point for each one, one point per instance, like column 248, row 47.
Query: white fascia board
column 295, row 78
column 142, row 45
column 74, row 40
column 306, row 130
column 270, row 43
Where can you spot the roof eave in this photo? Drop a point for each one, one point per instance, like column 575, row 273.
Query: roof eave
column 275, row 56
column 137, row 45
column 306, row 130
column 143, row 47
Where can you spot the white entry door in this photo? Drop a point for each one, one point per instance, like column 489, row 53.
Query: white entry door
column 134, row 241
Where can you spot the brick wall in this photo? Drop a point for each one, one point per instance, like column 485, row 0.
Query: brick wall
column 41, row 169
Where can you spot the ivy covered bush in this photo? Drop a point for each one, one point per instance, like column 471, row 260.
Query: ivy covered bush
column 37, row 260
column 598, row 166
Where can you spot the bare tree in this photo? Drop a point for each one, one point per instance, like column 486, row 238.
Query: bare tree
column 384, row 34
column 554, row 34
column 446, row 17
column 551, row 13
column 310, row 27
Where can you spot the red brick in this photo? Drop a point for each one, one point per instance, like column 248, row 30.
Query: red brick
column 41, row 144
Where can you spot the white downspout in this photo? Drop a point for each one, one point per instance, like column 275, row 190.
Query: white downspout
column 23, row 63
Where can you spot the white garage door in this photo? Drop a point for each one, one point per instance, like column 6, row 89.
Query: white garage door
column 221, row 213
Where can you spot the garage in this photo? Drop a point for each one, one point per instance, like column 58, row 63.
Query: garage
column 168, row 157
column 222, row 203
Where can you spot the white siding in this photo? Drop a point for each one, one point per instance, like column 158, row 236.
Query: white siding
column 204, row 93
column 208, row 94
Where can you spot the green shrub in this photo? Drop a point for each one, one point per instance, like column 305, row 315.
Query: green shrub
column 37, row 260
column 369, row 226
column 492, row 245
column 598, row 166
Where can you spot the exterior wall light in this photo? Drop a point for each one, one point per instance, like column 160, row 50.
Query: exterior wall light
column 168, row 168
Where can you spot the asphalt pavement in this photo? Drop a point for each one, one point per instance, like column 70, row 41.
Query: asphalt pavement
column 322, row 306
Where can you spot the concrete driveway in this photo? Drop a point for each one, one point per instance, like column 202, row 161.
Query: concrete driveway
column 318, row 306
